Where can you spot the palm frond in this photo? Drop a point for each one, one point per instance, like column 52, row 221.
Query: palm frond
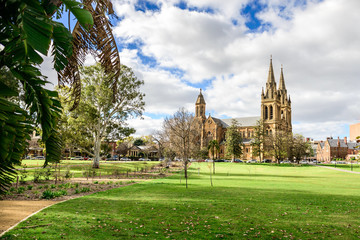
column 100, row 42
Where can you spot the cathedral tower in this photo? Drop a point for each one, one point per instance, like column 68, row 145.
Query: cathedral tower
column 200, row 107
column 275, row 105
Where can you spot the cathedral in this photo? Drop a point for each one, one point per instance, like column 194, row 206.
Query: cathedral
column 275, row 114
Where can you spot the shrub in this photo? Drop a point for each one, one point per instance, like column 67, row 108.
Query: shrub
column 52, row 186
column 48, row 194
column 12, row 189
column 21, row 190
column 46, row 186
column 60, row 193
column 29, row 187
column 102, row 183
column 40, row 187
column 96, row 182
column 77, row 191
column 85, row 189
column 110, row 182
column 76, row 185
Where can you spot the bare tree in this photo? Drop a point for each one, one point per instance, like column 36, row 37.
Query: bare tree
column 182, row 131
column 159, row 137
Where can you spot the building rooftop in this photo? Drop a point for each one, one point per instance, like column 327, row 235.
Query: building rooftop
column 243, row 122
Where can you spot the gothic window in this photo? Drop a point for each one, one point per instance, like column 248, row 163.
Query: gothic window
column 209, row 133
column 266, row 112
column 271, row 112
column 267, row 132
column 282, row 114
column 270, row 132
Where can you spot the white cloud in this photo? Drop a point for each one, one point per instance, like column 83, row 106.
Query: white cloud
column 316, row 41
column 145, row 126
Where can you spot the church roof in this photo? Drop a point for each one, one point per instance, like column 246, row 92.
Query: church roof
column 353, row 145
column 334, row 142
column 243, row 122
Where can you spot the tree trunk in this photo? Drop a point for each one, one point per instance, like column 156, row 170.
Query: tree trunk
column 96, row 163
column 213, row 166
column 186, row 176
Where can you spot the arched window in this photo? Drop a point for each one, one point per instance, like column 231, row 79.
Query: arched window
column 267, row 132
column 271, row 112
column 270, row 132
column 282, row 114
column 266, row 112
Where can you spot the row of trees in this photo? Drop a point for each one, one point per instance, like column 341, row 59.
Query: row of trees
column 279, row 145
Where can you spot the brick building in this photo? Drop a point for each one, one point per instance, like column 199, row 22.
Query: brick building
column 336, row 148
column 275, row 113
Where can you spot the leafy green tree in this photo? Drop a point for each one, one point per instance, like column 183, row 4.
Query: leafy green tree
column 234, row 142
column 277, row 145
column 214, row 148
column 139, row 142
column 257, row 142
column 298, row 148
column 102, row 113
column 27, row 30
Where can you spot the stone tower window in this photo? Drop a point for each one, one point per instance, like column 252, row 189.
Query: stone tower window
column 282, row 114
column 266, row 112
column 271, row 112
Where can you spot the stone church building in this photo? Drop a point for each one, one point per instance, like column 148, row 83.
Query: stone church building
column 275, row 114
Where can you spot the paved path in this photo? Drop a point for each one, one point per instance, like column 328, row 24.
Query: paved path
column 13, row 212
column 338, row 169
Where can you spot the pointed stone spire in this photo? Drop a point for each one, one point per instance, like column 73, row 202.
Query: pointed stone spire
column 282, row 82
column 271, row 77
column 200, row 99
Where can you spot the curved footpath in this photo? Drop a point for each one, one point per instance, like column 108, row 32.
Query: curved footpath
column 338, row 169
column 14, row 212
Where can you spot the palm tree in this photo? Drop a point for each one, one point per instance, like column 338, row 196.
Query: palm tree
column 27, row 29
column 213, row 147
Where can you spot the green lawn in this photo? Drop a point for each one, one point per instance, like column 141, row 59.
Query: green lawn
column 355, row 166
column 246, row 202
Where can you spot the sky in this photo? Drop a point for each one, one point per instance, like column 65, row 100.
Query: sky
column 224, row 47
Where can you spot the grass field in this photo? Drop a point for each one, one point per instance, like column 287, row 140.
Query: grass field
column 246, row 202
column 355, row 166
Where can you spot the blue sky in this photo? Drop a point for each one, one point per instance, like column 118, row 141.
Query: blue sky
column 224, row 48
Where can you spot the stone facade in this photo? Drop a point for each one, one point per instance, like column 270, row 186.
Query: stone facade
column 275, row 114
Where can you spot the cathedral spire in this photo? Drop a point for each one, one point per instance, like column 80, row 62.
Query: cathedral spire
column 271, row 77
column 282, row 82
column 200, row 99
